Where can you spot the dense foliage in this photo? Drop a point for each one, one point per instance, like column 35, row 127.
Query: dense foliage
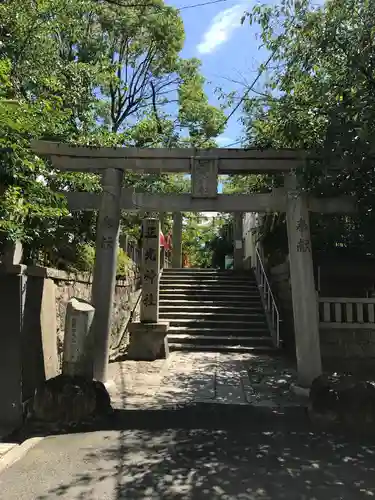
column 89, row 72
column 320, row 96
column 207, row 240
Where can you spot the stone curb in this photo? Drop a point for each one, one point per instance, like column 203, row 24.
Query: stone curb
column 17, row 452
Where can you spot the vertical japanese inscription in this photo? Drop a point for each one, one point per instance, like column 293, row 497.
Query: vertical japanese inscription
column 304, row 244
column 150, row 271
column 204, row 173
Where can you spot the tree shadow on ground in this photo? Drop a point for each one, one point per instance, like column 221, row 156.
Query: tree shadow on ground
column 222, row 464
column 204, row 451
column 192, row 377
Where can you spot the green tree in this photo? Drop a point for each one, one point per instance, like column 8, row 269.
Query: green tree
column 320, row 97
column 204, row 239
column 91, row 73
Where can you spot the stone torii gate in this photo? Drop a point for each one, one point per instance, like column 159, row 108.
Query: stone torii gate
column 204, row 167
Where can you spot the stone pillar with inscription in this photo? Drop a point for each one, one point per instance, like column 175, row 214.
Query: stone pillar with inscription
column 305, row 306
column 77, row 357
column 150, row 269
column 104, row 278
column 148, row 337
column 238, row 249
column 177, row 240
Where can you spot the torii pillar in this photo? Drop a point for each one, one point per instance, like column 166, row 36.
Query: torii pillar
column 104, row 279
column 177, row 240
column 305, row 305
column 238, row 250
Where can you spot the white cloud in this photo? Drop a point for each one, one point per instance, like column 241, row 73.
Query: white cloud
column 223, row 140
column 221, row 28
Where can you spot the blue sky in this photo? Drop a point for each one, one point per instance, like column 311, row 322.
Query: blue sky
column 228, row 50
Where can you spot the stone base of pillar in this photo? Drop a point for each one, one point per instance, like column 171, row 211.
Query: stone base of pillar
column 300, row 391
column 148, row 341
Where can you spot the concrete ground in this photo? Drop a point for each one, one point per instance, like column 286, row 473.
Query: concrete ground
column 196, row 377
column 210, row 426
column 225, row 464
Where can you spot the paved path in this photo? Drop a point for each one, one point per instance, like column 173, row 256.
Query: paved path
column 197, row 427
column 185, row 378
column 227, row 464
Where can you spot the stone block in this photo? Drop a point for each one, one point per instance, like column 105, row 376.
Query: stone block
column 13, row 253
column 70, row 400
column 78, row 342
column 342, row 399
column 148, row 341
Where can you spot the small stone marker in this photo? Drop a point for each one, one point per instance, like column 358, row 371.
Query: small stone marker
column 77, row 358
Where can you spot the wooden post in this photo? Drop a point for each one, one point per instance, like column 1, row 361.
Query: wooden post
column 305, row 307
column 177, row 240
column 150, row 270
column 104, row 278
column 238, row 250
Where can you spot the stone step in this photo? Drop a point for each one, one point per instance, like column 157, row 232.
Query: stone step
column 208, row 270
column 213, row 339
column 175, row 346
column 209, row 290
column 209, row 277
column 201, row 278
column 180, row 300
column 220, row 324
column 209, row 307
column 209, row 286
column 204, row 315
column 209, row 298
column 221, row 332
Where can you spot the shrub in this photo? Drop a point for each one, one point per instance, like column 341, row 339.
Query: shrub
column 85, row 259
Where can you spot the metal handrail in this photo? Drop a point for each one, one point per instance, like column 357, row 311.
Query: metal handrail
column 268, row 298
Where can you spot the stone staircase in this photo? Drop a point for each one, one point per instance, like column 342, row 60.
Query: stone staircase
column 213, row 310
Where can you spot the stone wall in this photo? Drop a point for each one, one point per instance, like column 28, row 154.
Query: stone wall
column 342, row 349
column 346, row 349
column 347, row 342
column 41, row 307
column 281, row 288
column 68, row 286
column 32, row 313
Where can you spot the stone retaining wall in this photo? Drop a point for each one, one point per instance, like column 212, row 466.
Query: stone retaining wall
column 68, row 286
column 32, row 313
column 341, row 348
column 348, row 350
column 347, row 342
